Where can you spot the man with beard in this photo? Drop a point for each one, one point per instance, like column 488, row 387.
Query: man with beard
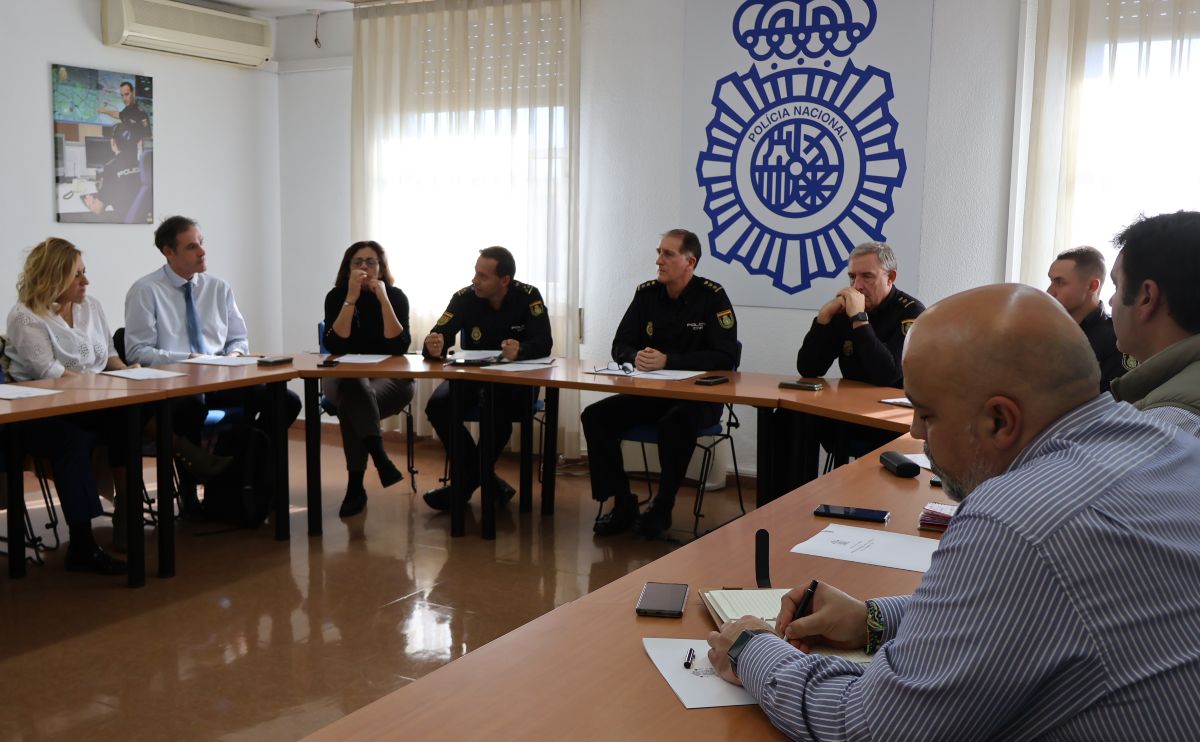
column 1056, row 602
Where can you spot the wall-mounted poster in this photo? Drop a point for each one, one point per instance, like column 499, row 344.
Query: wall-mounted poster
column 103, row 146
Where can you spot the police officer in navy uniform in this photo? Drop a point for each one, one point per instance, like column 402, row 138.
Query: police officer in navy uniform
column 132, row 116
column 863, row 326
column 1076, row 277
column 494, row 312
column 678, row 321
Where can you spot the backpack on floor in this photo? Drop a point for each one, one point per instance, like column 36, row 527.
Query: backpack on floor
column 242, row 495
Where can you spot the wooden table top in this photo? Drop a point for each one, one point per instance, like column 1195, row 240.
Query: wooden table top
column 580, row 671
column 75, row 395
column 852, row 402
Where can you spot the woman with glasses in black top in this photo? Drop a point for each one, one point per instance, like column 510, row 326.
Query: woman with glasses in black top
column 366, row 313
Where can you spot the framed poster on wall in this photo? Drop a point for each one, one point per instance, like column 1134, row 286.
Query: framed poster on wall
column 103, row 146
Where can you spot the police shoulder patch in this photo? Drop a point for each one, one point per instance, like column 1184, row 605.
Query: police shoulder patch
column 446, row 317
column 1128, row 362
column 906, row 325
column 537, row 309
column 725, row 319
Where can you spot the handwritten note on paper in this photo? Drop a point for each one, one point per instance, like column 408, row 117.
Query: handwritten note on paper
column 867, row 546
column 698, row 687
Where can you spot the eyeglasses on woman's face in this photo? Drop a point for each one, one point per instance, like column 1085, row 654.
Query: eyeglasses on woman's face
column 367, row 262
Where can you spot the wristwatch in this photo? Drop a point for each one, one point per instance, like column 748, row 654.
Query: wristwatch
column 860, row 317
column 739, row 644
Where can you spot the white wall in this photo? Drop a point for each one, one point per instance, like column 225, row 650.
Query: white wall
column 216, row 160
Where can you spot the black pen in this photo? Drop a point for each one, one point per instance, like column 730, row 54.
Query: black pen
column 691, row 656
column 806, row 601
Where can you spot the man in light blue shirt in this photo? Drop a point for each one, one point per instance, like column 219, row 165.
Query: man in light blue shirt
column 1062, row 599
column 179, row 312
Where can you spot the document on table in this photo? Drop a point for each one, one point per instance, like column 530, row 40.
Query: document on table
column 14, row 391
column 898, row 401
column 222, row 360
column 532, row 364
column 730, row 604
column 867, row 546
column 142, row 374
column 662, row 373
column 697, row 687
column 362, row 358
column 474, row 355
column 920, row 460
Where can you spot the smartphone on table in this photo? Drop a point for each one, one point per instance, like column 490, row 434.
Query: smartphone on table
column 665, row 599
column 808, row 386
column 712, row 380
column 842, row 511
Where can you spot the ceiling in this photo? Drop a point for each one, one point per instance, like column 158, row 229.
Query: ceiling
column 277, row 8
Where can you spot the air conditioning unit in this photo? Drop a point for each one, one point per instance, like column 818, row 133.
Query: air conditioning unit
column 177, row 28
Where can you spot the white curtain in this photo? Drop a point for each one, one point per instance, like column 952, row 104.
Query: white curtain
column 464, row 121
column 1106, row 123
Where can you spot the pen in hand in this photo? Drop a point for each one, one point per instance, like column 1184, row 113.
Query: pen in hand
column 806, row 601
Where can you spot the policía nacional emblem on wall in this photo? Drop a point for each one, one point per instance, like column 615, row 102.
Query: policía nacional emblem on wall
column 801, row 160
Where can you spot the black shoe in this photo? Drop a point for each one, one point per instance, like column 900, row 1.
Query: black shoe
column 93, row 560
column 504, row 491
column 388, row 473
column 653, row 522
column 439, row 499
column 353, row 504
column 619, row 519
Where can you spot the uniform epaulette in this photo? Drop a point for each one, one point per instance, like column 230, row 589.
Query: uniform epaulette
column 906, row 302
column 463, row 292
column 519, row 286
column 713, row 286
column 646, row 285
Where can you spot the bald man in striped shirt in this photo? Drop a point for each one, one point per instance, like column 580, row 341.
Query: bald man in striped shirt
column 1064, row 599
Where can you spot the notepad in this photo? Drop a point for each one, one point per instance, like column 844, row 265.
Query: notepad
column 729, row 605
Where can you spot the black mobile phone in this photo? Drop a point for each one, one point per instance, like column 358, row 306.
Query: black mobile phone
column 664, row 599
column 328, row 363
column 935, row 481
column 712, row 380
column 808, row 386
column 841, row 511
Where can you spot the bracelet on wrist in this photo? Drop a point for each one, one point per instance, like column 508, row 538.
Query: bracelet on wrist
column 875, row 627
column 347, row 303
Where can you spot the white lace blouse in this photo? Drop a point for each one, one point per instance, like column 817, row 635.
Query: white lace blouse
column 43, row 346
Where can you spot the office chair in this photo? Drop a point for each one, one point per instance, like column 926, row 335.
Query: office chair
column 409, row 429
column 721, row 430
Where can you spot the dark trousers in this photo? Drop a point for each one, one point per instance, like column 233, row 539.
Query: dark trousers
column 69, row 449
column 678, row 424
column 190, row 412
column 361, row 404
column 506, row 406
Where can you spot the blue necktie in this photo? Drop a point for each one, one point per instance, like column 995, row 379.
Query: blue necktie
column 193, row 322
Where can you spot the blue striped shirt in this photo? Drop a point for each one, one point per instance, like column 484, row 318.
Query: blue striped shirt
column 1062, row 603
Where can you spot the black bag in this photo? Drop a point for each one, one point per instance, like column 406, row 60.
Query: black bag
column 242, row 495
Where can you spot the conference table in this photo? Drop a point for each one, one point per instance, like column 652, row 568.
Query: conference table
column 94, row 392
column 846, row 401
column 580, row 671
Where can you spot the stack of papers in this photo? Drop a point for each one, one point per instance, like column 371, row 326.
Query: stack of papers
column 868, row 546
column 898, row 401
column 142, row 374
column 936, row 516
column 530, row 364
column 662, row 373
column 222, row 360
column 15, row 391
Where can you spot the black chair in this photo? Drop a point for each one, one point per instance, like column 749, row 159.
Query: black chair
column 409, row 429
column 722, row 430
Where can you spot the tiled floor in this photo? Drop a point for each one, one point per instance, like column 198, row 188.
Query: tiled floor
column 260, row 640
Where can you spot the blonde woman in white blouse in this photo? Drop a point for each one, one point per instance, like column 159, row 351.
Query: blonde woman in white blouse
column 57, row 330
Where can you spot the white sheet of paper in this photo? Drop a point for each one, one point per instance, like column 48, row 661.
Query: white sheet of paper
column 920, row 460
column 362, row 358
column 664, row 373
column 699, row 687
column 142, row 374
column 15, row 391
column 222, row 361
column 898, row 401
column 538, row 364
column 474, row 355
column 866, row 546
